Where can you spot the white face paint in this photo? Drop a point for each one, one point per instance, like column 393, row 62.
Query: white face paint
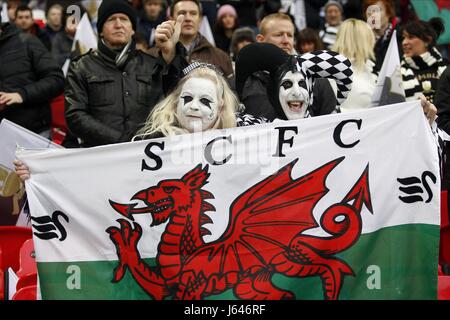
column 293, row 95
column 198, row 105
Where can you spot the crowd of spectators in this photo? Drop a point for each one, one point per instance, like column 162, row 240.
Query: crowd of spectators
column 360, row 30
column 166, row 67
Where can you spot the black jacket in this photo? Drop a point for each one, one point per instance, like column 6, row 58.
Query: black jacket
column 51, row 33
column 382, row 44
column 43, row 36
column 145, row 27
column 256, row 102
column 62, row 48
column 442, row 101
column 312, row 10
column 26, row 67
column 106, row 104
column 246, row 10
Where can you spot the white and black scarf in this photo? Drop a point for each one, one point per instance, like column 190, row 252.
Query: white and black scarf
column 421, row 73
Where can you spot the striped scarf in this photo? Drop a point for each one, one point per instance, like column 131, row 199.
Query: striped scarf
column 329, row 35
column 420, row 74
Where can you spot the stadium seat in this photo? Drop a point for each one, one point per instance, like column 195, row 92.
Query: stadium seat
column 2, row 279
column 26, row 281
column 27, row 272
column 11, row 240
column 26, row 293
column 58, row 122
column 27, row 259
column 2, row 285
column 443, row 287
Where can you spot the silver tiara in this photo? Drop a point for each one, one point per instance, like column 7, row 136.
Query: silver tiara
column 197, row 64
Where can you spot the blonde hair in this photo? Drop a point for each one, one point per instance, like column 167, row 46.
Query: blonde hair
column 163, row 119
column 271, row 17
column 355, row 40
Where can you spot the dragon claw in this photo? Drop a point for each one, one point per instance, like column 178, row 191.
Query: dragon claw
column 125, row 228
column 115, row 235
column 135, row 235
column 119, row 272
column 137, row 227
column 125, row 238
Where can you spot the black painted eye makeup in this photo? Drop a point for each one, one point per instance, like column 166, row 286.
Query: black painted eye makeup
column 206, row 102
column 302, row 83
column 286, row 84
column 187, row 99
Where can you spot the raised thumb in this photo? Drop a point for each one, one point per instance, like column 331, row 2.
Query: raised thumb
column 178, row 23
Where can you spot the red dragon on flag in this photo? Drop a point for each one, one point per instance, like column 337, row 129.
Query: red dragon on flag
column 264, row 236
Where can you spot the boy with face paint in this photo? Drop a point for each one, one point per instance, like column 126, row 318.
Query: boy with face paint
column 292, row 78
column 278, row 29
column 293, row 95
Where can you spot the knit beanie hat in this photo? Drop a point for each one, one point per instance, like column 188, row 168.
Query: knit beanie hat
column 333, row 3
column 226, row 9
column 110, row 7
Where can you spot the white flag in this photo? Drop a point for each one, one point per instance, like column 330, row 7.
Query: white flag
column 389, row 88
column 85, row 36
column 4, row 12
column 205, row 30
column 222, row 213
column 12, row 193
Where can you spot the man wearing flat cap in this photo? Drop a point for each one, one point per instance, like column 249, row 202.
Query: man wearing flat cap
column 110, row 91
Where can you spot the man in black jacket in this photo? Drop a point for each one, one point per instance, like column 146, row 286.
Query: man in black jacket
column 278, row 29
column 111, row 91
column 24, row 21
column 29, row 79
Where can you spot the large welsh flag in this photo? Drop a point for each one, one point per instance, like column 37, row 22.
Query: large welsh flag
column 342, row 206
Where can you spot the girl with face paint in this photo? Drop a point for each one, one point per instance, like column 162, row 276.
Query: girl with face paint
column 198, row 104
column 201, row 101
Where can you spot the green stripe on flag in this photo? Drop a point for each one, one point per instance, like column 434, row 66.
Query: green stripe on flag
column 388, row 264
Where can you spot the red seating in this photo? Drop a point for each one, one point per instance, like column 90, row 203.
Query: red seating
column 28, row 270
column 58, row 124
column 27, row 259
column 443, row 287
column 40, row 23
column 26, row 293
column 16, row 252
column 11, row 240
column 26, row 281
column 2, row 285
column 443, row 4
column 2, row 279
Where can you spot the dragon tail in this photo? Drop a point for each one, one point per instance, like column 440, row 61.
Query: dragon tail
column 346, row 231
